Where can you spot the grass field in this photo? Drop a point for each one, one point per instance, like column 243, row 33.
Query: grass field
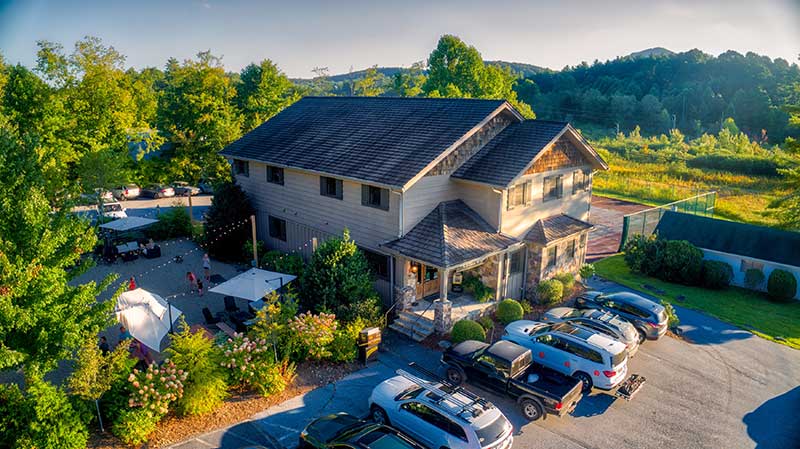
column 779, row 322
column 739, row 197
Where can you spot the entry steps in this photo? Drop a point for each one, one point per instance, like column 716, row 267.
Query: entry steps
column 413, row 326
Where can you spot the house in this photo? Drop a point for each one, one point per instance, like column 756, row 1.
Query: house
column 743, row 246
column 428, row 187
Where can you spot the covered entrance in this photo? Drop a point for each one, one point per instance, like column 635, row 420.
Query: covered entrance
column 427, row 280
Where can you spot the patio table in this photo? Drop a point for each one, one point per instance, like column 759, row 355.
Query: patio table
column 127, row 247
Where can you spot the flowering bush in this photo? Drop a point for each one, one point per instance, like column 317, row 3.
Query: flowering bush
column 312, row 334
column 156, row 387
column 251, row 363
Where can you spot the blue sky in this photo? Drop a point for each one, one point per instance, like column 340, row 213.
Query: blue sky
column 339, row 34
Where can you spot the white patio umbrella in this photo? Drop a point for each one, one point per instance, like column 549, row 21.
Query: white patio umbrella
column 146, row 316
column 127, row 223
column 253, row 284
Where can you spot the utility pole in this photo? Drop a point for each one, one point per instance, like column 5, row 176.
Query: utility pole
column 674, row 118
column 255, row 251
column 617, row 128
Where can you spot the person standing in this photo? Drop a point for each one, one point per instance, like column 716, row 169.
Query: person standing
column 132, row 284
column 207, row 267
column 124, row 334
column 192, row 280
column 200, row 287
column 104, row 345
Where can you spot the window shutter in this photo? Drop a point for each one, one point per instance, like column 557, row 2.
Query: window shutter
column 364, row 195
column 559, row 186
column 529, row 193
column 322, row 185
column 339, row 189
column 385, row 199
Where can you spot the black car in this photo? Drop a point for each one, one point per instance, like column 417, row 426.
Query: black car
column 648, row 317
column 343, row 431
column 508, row 368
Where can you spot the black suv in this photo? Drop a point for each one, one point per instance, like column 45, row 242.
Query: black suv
column 648, row 317
column 342, row 431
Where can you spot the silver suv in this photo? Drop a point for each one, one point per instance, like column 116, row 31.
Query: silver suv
column 597, row 321
column 439, row 415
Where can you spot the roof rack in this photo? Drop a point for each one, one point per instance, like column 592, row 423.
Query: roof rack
column 475, row 405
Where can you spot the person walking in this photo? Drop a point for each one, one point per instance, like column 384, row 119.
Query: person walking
column 132, row 284
column 207, row 267
column 200, row 287
column 192, row 280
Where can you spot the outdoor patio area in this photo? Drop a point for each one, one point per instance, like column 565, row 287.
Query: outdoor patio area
column 464, row 306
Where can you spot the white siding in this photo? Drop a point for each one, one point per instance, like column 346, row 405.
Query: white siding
column 735, row 261
column 517, row 221
column 310, row 214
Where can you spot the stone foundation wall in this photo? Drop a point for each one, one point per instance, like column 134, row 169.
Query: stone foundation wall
column 537, row 262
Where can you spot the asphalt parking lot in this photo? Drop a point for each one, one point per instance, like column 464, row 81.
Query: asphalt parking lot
column 727, row 389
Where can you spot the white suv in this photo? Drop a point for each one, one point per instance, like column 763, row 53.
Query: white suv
column 439, row 415
column 594, row 359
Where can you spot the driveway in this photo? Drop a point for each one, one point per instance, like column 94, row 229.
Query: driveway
column 726, row 389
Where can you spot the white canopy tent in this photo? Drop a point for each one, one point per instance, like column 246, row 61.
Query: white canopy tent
column 146, row 316
column 127, row 223
column 253, row 284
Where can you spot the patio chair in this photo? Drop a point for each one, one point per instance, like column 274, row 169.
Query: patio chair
column 230, row 304
column 210, row 319
column 129, row 256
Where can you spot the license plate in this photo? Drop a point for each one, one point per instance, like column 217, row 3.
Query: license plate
column 630, row 387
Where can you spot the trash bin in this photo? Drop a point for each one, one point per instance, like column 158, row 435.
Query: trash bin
column 458, row 282
column 368, row 341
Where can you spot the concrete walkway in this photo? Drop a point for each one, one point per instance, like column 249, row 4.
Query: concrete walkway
column 279, row 427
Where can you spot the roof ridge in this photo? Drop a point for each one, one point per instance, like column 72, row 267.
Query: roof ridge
column 362, row 97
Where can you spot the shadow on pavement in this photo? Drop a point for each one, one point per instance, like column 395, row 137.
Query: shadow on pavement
column 775, row 424
column 593, row 405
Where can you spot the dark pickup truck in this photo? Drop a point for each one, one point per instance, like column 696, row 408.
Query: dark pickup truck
column 507, row 368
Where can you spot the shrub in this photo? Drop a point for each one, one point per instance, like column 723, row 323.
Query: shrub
column 133, row 426
column 682, row 263
column 247, row 250
column 14, row 414
column 478, row 289
column 172, row 223
column 567, row 279
column 283, row 263
column 644, row 254
column 781, row 285
column 716, row 274
column 672, row 318
column 205, row 387
column 244, row 357
column 338, row 280
column 509, row 310
column 312, row 334
column 526, row 307
column 754, row 278
column 486, row 323
column 47, row 418
column 742, row 164
column 273, row 378
column 467, row 330
column 587, row 271
column 550, row 291
column 155, row 388
column 224, row 231
column 344, row 347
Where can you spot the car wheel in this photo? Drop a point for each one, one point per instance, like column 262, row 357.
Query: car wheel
column 531, row 409
column 455, row 375
column 585, row 379
column 378, row 415
column 642, row 335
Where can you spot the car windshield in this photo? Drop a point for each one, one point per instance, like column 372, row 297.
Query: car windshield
column 112, row 208
column 493, row 431
column 381, row 439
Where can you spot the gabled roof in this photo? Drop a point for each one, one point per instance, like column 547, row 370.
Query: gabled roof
column 381, row 140
column 450, row 235
column 511, row 152
column 550, row 229
column 758, row 242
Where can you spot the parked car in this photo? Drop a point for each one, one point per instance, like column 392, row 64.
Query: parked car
column 158, row 191
column 508, row 369
column 126, row 192
column 184, row 189
column 113, row 209
column 595, row 359
column 648, row 317
column 345, row 431
column 439, row 415
column 597, row 321
column 206, row 186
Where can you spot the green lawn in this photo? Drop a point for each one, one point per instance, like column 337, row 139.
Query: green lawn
column 749, row 310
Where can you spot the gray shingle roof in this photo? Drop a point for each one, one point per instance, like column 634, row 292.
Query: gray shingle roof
column 507, row 155
column 451, row 234
column 375, row 139
column 759, row 242
column 550, row 229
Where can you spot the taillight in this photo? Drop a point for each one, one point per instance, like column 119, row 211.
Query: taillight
column 559, row 405
column 609, row 374
column 655, row 325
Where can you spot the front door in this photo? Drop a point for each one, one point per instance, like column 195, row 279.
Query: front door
column 427, row 280
column 515, row 273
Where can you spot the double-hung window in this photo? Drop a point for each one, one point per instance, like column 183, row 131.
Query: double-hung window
column 274, row 175
column 330, row 187
column 519, row 195
column 241, row 167
column 376, row 197
column 277, row 228
column 580, row 181
column 553, row 187
column 552, row 256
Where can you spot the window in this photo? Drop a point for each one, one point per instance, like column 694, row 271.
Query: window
column 552, row 255
column 516, row 261
column 519, row 195
column 277, row 228
column 584, row 352
column 580, row 181
column 274, row 175
column 547, row 339
column 330, row 187
column 750, row 264
column 553, row 187
column 571, row 249
column 241, row 167
column 378, row 263
column 374, row 197
column 583, row 240
column 435, row 418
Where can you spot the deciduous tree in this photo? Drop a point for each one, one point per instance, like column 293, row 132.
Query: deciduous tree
column 263, row 91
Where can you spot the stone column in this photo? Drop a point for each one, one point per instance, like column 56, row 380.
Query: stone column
column 442, row 316
column 405, row 296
